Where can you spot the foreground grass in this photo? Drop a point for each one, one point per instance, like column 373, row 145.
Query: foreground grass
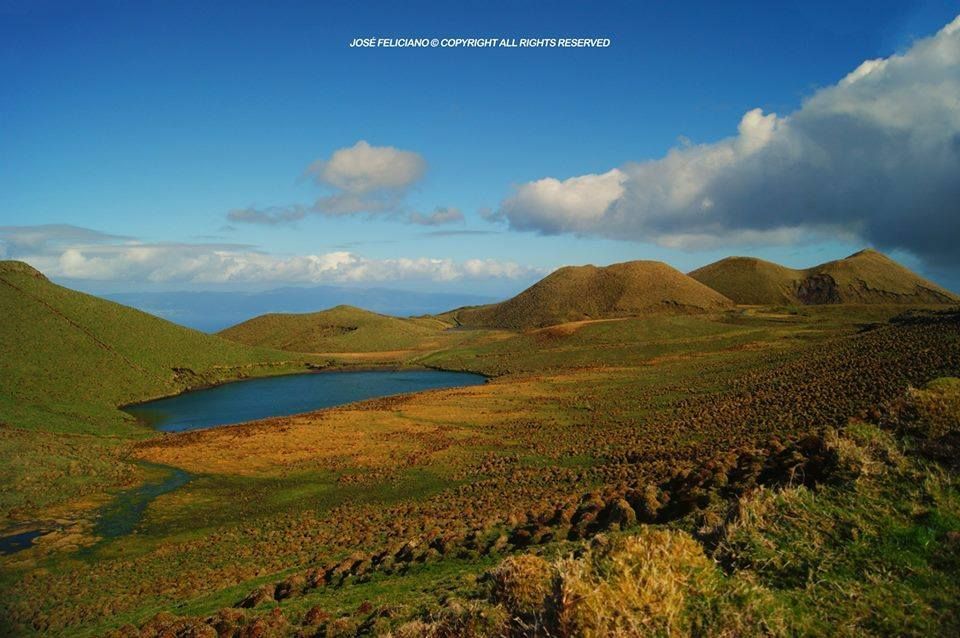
column 873, row 549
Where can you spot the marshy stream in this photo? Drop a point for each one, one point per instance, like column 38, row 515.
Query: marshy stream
column 235, row 403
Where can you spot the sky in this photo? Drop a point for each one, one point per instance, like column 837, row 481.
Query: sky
column 241, row 145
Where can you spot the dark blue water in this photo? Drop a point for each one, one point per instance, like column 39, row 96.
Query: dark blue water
column 17, row 542
column 286, row 395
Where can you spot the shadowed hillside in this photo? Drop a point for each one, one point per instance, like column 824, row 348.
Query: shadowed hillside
column 577, row 293
column 339, row 329
column 68, row 359
column 866, row 277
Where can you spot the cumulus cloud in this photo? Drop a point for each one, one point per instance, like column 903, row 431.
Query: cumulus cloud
column 366, row 179
column 440, row 215
column 112, row 258
column 363, row 168
column 551, row 205
column 360, row 179
column 875, row 156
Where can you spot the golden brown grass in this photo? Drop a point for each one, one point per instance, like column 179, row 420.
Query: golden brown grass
column 638, row 587
column 378, row 434
column 938, row 407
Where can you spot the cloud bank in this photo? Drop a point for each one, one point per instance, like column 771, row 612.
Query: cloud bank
column 80, row 253
column 875, row 157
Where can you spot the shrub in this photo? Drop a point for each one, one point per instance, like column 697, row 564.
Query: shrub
column 638, row 586
column 523, row 584
column 938, row 407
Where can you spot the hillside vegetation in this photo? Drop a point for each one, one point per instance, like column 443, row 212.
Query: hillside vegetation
column 68, row 360
column 577, row 293
column 865, row 277
column 339, row 329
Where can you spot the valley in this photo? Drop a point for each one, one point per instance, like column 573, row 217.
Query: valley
column 622, row 402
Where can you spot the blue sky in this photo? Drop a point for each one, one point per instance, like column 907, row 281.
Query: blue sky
column 150, row 122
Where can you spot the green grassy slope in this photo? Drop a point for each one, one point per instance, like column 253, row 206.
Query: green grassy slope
column 339, row 329
column 599, row 344
column 67, row 361
column 865, row 277
column 577, row 293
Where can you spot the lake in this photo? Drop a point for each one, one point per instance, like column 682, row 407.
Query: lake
column 289, row 394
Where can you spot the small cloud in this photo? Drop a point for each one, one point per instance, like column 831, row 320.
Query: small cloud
column 491, row 215
column 24, row 238
column 271, row 216
column 363, row 168
column 361, row 180
column 340, row 204
column 456, row 233
column 439, row 216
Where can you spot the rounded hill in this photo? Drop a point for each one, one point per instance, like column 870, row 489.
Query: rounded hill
column 577, row 293
column 865, row 277
column 751, row 281
column 342, row 328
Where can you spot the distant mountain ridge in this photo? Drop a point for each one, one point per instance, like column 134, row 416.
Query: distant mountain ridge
column 865, row 277
column 212, row 311
column 577, row 293
column 342, row 328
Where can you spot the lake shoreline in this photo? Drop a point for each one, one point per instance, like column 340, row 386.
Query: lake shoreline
column 309, row 369
column 231, row 403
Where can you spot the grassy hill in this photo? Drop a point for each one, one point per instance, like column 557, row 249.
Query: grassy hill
column 866, row 277
column 68, row 360
column 340, row 329
column 577, row 293
column 748, row 280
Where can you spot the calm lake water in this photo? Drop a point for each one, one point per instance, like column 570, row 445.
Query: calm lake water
column 286, row 395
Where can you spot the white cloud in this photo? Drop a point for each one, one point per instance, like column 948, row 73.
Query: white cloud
column 119, row 259
column 573, row 204
column 363, row 168
column 875, row 156
column 440, row 215
column 360, row 179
